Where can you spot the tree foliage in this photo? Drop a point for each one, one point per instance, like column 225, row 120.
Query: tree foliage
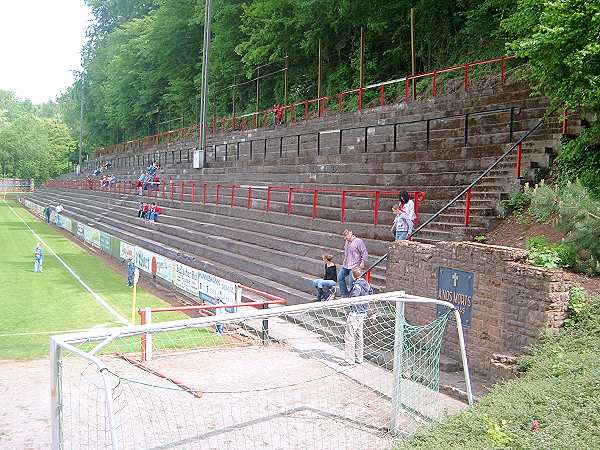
column 34, row 141
column 142, row 59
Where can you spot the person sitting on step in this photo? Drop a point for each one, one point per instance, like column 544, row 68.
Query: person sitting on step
column 153, row 212
column 141, row 210
column 326, row 286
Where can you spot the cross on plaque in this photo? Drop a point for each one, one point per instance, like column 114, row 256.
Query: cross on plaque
column 454, row 279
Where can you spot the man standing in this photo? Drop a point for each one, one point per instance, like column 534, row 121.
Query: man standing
column 47, row 211
column 38, row 258
column 353, row 337
column 355, row 255
column 130, row 270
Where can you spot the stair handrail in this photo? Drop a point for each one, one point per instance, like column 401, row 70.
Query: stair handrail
column 463, row 192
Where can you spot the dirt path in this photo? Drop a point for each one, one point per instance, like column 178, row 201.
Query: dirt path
column 25, row 412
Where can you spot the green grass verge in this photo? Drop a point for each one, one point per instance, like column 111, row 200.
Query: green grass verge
column 560, row 390
column 54, row 300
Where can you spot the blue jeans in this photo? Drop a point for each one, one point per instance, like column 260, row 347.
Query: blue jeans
column 38, row 265
column 342, row 276
column 401, row 235
column 320, row 284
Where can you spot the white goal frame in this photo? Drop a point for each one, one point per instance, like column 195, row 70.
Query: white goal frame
column 103, row 337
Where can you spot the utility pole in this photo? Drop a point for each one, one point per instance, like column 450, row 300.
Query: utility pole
column 204, row 98
column 257, row 89
column 362, row 58
column 413, row 57
column 319, row 73
column 81, row 117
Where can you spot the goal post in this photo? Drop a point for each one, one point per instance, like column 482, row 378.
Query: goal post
column 347, row 373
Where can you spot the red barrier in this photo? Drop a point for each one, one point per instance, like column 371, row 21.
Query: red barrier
column 468, row 208
column 519, row 157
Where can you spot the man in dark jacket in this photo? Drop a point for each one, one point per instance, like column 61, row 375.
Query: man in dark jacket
column 353, row 337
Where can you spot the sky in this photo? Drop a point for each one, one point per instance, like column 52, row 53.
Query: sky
column 40, row 43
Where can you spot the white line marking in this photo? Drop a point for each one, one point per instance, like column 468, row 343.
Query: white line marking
column 98, row 299
column 39, row 333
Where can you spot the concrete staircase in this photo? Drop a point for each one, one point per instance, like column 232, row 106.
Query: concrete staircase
column 280, row 252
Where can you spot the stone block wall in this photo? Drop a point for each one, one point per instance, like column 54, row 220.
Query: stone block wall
column 512, row 302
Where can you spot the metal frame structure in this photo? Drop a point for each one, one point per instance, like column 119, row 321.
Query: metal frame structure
column 67, row 343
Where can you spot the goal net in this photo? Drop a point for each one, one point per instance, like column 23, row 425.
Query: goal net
column 343, row 374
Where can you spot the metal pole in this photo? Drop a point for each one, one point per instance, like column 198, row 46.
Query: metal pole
column 319, row 73
column 413, row 57
column 257, row 90
column 233, row 97
column 463, row 354
column 81, row 118
column 398, row 362
column 204, row 98
column 55, row 394
column 362, row 58
column 285, row 83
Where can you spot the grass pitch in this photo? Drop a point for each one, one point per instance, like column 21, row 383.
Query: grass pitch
column 37, row 305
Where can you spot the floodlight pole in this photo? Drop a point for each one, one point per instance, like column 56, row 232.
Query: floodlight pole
column 204, row 93
column 81, row 117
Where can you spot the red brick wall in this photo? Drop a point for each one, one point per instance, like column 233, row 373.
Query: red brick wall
column 512, row 302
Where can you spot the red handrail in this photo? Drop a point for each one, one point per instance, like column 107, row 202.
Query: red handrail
column 376, row 194
column 183, row 134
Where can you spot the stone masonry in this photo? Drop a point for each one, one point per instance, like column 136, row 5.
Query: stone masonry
column 512, row 304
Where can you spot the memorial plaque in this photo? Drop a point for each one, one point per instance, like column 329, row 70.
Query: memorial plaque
column 456, row 287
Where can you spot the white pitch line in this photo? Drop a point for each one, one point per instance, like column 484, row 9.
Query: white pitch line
column 96, row 297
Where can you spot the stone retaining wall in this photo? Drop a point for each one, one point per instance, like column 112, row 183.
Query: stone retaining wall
column 512, row 302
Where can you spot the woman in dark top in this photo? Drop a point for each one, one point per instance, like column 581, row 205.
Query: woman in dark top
column 326, row 286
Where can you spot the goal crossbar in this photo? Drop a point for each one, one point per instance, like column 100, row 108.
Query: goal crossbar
column 102, row 337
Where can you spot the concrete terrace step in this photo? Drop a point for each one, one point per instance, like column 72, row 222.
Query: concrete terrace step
column 305, row 256
column 293, row 296
column 282, row 275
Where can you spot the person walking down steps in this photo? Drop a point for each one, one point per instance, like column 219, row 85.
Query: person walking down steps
column 38, row 258
column 354, row 336
column 355, row 255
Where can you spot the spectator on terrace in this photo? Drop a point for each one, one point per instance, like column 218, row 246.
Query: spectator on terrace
column 108, row 165
column 355, row 255
column 146, row 210
column 112, row 179
column 155, row 183
column 325, row 286
column 98, row 171
column 138, row 186
column 278, row 114
column 405, row 216
column 38, row 258
column 141, row 210
column 47, row 211
column 353, row 336
column 153, row 212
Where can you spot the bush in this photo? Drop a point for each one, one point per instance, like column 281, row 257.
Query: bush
column 543, row 253
column 544, row 202
column 517, row 202
column 559, row 391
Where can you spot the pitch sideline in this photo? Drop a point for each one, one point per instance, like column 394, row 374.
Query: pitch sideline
column 94, row 294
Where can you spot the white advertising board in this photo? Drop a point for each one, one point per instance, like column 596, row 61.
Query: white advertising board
column 212, row 288
column 164, row 266
column 186, row 278
column 127, row 250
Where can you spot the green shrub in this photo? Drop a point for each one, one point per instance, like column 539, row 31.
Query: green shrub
column 543, row 253
column 544, row 202
column 518, row 201
column 578, row 302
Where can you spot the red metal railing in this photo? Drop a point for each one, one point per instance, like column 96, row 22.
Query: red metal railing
column 301, row 110
column 184, row 188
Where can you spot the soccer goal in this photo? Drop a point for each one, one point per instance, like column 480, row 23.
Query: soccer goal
column 341, row 374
